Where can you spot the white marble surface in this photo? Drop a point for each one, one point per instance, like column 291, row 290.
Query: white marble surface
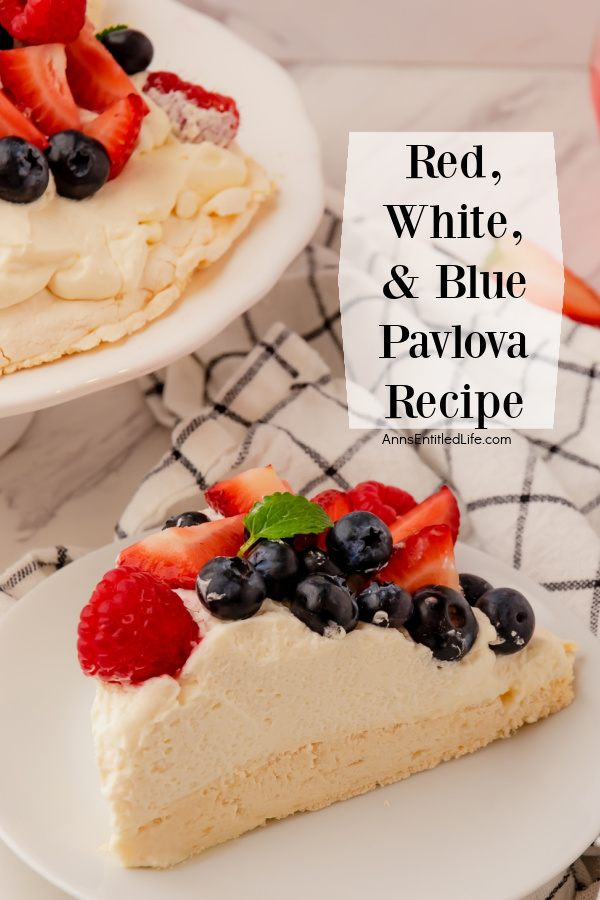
column 72, row 472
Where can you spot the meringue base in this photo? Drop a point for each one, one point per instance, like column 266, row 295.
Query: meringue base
column 319, row 774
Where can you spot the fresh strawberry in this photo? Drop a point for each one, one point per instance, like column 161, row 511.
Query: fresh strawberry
column 545, row 276
column 383, row 500
column 36, row 78
column 426, row 557
column 134, row 628
column 43, row 21
column 118, row 130
column 96, row 78
column 240, row 493
column 176, row 555
column 14, row 124
column 439, row 509
column 336, row 504
column 196, row 114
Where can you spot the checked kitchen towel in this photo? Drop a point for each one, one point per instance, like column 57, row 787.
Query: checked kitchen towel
column 264, row 391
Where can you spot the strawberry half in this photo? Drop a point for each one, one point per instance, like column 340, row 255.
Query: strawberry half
column 424, row 558
column 176, row 555
column 545, row 275
column 336, row 504
column 14, row 124
column 439, row 509
column 118, row 130
column 43, row 21
column 196, row 114
column 240, row 493
column 96, row 78
column 36, row 78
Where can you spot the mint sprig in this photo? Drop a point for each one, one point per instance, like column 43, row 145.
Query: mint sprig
column 283, row 515
column 110, row 29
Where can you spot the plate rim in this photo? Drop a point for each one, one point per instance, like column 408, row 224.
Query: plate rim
column 37, row 391
column 541, row 596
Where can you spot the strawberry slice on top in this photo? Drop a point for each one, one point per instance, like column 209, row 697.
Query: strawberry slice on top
column 176, row 555
column 14, row 124
column 240, row 493
column 425, row 558
column 36, row 78
column 96, row 78
column 118, row 130
column 43, row 21
column 196, row 114
column 440, row 508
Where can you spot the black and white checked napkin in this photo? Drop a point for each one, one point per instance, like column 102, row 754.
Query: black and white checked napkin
column 268, row 392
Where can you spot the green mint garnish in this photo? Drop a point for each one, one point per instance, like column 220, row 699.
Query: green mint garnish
column 280, row 516
column 110, row 29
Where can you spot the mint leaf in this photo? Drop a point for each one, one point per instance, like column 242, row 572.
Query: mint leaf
column 281, row 516
column 110, row 29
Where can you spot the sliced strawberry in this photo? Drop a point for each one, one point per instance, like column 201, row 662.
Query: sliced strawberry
column 176, row 555
column 424, row 558
column 43, row 21
column 14, row 124
column 195, row 113
column 335, row 503
column 240, row 493
column 36, row 78
column 96, row 78
column 544, row 275
column 383, row 500
column 118, row 130
column 439, row 509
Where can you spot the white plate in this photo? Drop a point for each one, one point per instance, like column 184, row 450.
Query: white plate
column 496, row 824
column 276, row 131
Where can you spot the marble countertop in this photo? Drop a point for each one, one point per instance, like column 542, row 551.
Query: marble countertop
column 89, row 455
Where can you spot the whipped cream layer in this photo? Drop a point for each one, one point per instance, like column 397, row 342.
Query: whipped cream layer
column 112, row 243
column 261, row 687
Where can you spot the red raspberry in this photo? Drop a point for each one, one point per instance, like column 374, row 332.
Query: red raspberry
column 383, row 500
column 195, row 113
column 134, row 628
column 43, row 21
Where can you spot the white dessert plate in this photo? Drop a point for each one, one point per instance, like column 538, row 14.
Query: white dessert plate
column 497, row 824
column 275, row 130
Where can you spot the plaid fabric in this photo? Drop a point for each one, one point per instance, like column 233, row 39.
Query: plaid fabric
column 262, row 392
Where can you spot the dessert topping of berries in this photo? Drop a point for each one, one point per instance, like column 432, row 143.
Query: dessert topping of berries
column 443, row 621
column 511, row 615
column 131, row 49
column 133, row 628
column 118, row 129
column 43, row 21
column 36, row 78
column 324, row 603
column 360, row 542
column 196, row 114
column 23, row 171
column 386, row 605
column 186, row 520
column 79, row 163
column 230, row 588
column 278, row 564
column 473, row 586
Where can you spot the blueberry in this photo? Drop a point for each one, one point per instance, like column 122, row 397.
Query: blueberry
column 360, row 542
column 79, row 163
column 511, row 615
column 443, row 621
column 315, row 562
column 473, row 587
column 186, row 520
column 324, row 603
column 278, row 564
column 6, row 41
column 230, row 588
column 23, row 171
column 131, row 49
column 386, row 605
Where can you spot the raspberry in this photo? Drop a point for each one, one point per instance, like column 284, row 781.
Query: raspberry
column 43, row 21
column 196, row 114
column 133, row 628
column 383, row 500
